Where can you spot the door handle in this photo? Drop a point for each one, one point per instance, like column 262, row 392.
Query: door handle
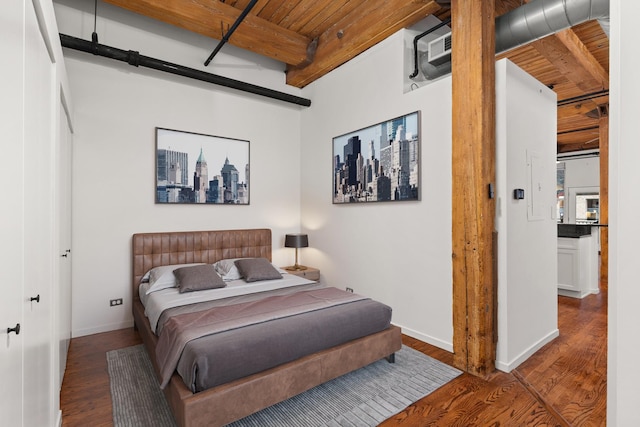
column 16, row 329
column 36, row 298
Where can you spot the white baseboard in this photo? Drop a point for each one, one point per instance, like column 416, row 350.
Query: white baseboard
column 510, row 366
column 426, row 338
column 59, row 421
column 99, row 329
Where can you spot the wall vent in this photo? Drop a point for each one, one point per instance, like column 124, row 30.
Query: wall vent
column 439, row 50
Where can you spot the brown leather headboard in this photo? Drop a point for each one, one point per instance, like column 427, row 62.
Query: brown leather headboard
column 182, row 247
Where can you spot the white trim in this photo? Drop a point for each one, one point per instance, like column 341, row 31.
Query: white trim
column 428, row 339
column 508, row 367
column 102, row 328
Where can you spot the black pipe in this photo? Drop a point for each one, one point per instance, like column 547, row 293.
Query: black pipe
column 585, row 97
column 134, row 58
column 226, row 37
column 415, row 44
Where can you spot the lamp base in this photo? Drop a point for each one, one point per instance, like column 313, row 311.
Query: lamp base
column 296, row 267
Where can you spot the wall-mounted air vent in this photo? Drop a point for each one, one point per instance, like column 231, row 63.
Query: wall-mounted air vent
column 439, row 50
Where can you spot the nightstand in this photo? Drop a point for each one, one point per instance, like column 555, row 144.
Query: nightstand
column 309, row 273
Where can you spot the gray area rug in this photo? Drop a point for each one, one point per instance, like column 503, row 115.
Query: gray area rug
column 364, row 397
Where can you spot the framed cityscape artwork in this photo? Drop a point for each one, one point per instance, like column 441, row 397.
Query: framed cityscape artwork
column 380, row 163
column 193, row 168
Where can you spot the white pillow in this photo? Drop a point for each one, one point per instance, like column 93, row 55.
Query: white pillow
column 227, row 269
column 162, row 277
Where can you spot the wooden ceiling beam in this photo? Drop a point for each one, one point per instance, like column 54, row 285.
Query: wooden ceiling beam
column 579, row 139
column 573, row 60
column 357, row 31
column 571, row 111
column 578, row 146
column 213, row 19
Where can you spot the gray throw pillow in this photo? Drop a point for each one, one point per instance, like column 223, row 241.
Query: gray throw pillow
column 198, row 278
column 254, row 269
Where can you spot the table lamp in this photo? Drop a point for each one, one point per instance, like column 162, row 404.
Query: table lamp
column 296, row 241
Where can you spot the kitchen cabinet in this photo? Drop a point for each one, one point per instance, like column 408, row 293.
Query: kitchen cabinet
column 577, row 264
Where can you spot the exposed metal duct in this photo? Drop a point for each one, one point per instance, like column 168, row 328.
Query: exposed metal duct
column 540, row 18
column 134, row 58
column 529, row 22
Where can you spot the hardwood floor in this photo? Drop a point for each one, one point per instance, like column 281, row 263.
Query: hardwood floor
column 85, row 398
column 563, row 384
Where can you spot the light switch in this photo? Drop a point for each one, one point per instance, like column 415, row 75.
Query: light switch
column 518, row 193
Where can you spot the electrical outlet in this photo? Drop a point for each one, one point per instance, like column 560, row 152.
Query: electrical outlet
column 349, row 290
column 114, row 302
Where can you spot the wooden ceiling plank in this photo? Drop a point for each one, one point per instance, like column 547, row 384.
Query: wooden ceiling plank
column 269, row 9
column 305, row 12
column 330, row 13
column 259, row 7
column 358, row 31
column 208, row 17
column 283, row 11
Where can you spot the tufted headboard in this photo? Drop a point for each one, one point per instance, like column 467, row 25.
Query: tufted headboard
column 182, row 247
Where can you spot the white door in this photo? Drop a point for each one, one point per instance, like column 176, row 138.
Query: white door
column 39, row 213
column 11, row 210
column 64, row 243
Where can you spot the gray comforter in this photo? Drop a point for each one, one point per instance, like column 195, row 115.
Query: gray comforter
column 212, row 346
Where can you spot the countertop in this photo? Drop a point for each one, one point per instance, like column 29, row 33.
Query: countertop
column 574, row 230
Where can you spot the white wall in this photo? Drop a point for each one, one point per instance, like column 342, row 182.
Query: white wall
column 400, row 253
column 582, row 172
column 527, row 243
column 582, row 175
column 117, row 110
column 623, row 378
column 396, row 252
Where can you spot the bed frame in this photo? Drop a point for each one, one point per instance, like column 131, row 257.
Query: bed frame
column 230, row 402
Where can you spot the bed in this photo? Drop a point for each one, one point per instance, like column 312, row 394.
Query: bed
column 220, row 404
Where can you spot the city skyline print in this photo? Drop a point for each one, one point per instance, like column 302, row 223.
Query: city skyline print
column 380, row 163
column 194, row 168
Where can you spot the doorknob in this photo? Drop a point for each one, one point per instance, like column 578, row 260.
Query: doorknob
column 36, row 298
column 16, row 329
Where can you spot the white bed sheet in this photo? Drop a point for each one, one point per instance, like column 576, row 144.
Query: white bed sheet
column 156, row 302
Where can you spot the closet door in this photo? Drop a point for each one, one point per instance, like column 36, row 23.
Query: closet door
column 64, row 242
column 11, row 210
column 39, row 214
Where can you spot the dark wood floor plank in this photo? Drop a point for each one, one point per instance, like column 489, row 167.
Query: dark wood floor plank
column 563, row 384
column 85, row 398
